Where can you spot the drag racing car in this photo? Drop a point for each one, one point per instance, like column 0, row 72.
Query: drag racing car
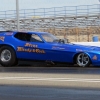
column 43, row 46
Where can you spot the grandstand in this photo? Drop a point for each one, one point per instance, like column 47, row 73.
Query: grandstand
column 77, row 23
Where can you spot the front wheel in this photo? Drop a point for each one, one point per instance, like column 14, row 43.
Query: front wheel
column 7, row 56
column 83, row 60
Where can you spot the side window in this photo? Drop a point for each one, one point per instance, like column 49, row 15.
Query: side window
column 35, row 38
column 23, row 36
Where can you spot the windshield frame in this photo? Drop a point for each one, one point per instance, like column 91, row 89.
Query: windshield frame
column 53, row 37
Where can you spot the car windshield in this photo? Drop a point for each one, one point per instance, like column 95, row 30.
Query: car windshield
column 49, row 37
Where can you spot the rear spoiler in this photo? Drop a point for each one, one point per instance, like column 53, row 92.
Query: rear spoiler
column 5, row 31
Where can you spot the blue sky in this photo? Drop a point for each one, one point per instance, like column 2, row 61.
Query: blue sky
column 34, row 4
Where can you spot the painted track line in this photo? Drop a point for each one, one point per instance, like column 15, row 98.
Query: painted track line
column 50, row 79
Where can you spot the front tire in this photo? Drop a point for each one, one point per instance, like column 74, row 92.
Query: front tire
column 83, row 60
column 7, row 56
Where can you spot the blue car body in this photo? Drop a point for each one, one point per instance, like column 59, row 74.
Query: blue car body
column 47, row 51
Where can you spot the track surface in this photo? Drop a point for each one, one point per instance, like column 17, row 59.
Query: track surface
column 49, row 83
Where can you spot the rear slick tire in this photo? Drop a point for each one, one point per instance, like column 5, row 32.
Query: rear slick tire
column 7, row 56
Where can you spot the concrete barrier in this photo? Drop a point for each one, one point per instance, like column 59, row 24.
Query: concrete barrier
column 88, row 43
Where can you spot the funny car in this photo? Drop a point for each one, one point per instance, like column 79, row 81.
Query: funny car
column 43, row 46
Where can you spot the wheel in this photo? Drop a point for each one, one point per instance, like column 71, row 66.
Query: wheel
column 83, row 60
column 7, row 56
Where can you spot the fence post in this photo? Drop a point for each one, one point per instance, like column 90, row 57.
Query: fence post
column 17, row 14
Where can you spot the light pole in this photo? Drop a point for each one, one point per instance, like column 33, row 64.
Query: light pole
column 17, row 14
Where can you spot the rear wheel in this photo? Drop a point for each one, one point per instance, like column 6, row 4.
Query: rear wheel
column 7, row 56
column 83, row 60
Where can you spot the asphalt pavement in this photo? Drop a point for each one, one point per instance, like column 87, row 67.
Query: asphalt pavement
column 49, row 83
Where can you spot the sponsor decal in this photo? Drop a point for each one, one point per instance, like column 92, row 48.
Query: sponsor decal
column 31, row 45
column 79, row 50
column 9, row 33
column 2, row 38
column 36, row 50
column 55, row 47
column 94, row 57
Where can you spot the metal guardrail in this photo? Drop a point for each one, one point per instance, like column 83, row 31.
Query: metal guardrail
column 77, row 23
column 82, row 10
